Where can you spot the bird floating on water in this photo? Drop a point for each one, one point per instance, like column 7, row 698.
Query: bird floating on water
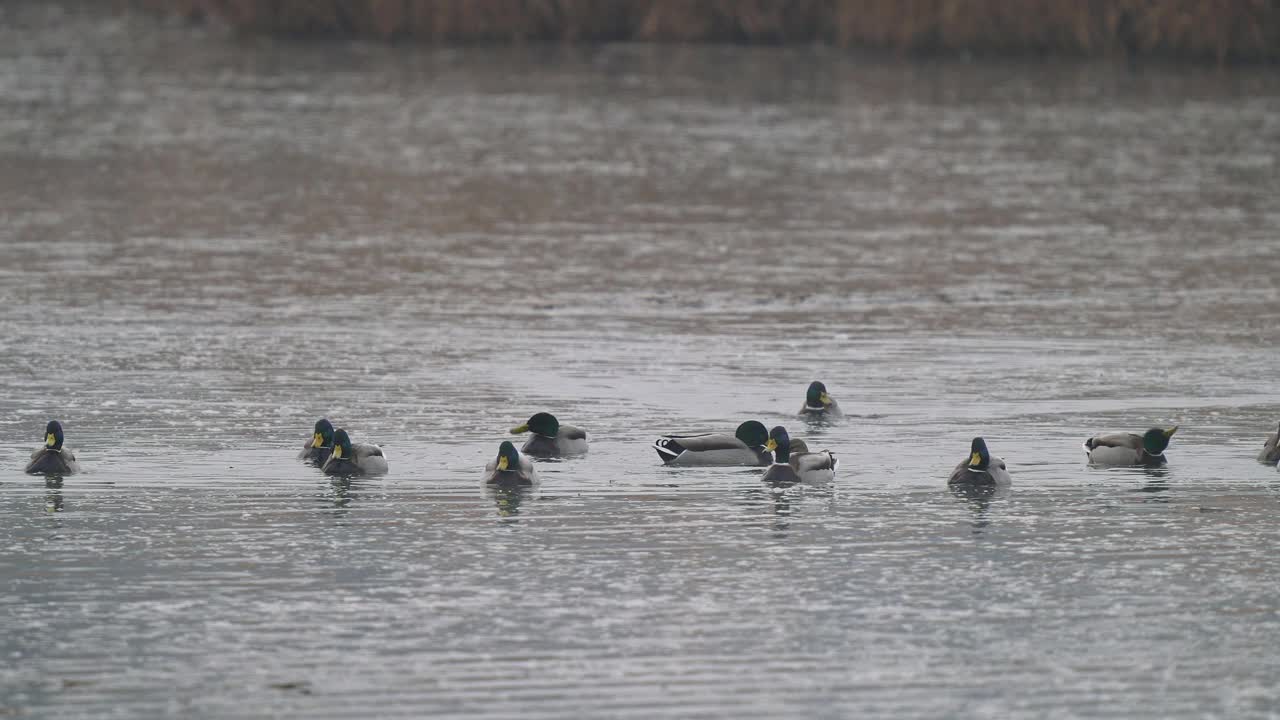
column 794, row 463
column 980, row 468
column 1129, row 448
column 53, row 458
column 510, row 467
column 350, row 458
column 746, row 446
column 818, row 404
column 549, row 438
column 316, row 450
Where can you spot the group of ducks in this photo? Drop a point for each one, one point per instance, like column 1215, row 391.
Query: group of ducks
column 786, row 460
column 333, row 452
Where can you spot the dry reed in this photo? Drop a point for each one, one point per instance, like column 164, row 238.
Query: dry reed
column 1204, row 29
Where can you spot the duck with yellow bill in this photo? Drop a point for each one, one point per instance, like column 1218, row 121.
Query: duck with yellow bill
column 53, row 458
column 794, row 463
column 316, row 450
column 510, row 468
column 981, row 468
column 350, row 458
column 818, row 404
column 549, row 438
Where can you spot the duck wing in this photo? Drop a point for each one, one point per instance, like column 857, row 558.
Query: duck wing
column 705, row 442
column 811, row 461
column 365, row 458
column 1116, row 440
column 571, row 440
column 570, row 432
column 781, row 474
column 814, row 466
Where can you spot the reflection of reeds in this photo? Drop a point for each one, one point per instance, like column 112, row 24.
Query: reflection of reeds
column 1218, row 29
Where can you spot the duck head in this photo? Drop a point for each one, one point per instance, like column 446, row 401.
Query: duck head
column 342, row 445
column 544, row 424
column 779, row 444
column 1155, row 440
column 979, row 456
column 752, row 434
column 508, row 458
column 323, row 436
column 53, row 435
column 816, row 397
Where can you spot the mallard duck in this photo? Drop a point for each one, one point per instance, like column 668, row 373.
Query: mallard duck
column 818, row 405
column 353, row 459
column 790, row 467
column 53, row 458
column 1271, row 449
column 510, row 468
column 316, row 450
column 550, row 438
column 1129, row 448
column 980, row 468
column 744, row 447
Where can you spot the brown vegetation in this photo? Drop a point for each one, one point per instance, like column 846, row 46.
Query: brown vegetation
column 1209, row 29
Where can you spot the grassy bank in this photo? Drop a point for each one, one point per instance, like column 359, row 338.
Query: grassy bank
column 1219, row 30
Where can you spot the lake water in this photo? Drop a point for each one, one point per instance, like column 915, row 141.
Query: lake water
column 214, row 241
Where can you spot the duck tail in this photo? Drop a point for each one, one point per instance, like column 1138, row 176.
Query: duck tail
column 668, row 449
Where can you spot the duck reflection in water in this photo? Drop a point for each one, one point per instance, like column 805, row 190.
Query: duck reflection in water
column 1156, row 484
column 978, row 497
column 778, row 500
column 53, row 493
column 508, row 496
column 340, row 493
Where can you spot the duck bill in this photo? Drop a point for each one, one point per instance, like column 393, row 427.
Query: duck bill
column 50, row 440
column 317, row 441
column 825, row 399
column 337, row 452
column 975, row 460
column 771, row 445
column 503, row 464
column 1169, row 433
column 520, row 429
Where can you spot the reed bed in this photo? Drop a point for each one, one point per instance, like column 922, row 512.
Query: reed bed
column 1220, row 30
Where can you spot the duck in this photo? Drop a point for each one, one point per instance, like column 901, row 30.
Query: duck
column 550, row 438
column 316, row 450
column 1271, row 449
column 980, row 468
column 744, row 447
column 790, row 467
column 350, row 458
column 53, row 458
column 510, row 468
column 1129, row 448
column 819, row 405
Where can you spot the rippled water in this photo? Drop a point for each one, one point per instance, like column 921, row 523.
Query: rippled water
column 213, row 241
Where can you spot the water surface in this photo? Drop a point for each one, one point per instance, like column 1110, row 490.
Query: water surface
column 212, row 241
